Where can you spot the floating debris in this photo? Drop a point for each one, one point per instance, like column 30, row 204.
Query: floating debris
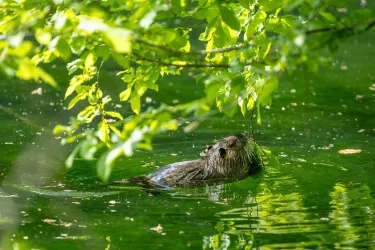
column 349, row 151
column 158, row 228
column 49, row 221
column 37, row 91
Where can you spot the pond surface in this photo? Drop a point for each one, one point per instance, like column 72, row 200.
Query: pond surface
column 307, row 196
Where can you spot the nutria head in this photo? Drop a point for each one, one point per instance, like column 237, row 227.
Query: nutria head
column 231, row 157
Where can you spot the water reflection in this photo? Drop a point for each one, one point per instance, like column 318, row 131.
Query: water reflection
column 352, row 216
column 273, row 218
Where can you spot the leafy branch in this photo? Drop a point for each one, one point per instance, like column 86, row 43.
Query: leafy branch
column 248, row 45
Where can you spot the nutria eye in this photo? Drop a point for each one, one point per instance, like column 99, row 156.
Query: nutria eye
column 222, row 152
column 209, row 148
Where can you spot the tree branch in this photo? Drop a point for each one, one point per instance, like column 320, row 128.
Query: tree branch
column 368, row 27
column 193, row 52
column 187, row 65
column 223, row 50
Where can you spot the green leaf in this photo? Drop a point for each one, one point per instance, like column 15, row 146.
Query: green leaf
column 120, row 39
column 90, row 61
column 103, row 52
column 254, row 25
column 259, row 120
column 229, row 17
column 59, row 129
column 76, row 99
column 74, row 65
column 86, row 112
column 265, row 94
column 74, row 83
column 250, row 104
column 268, row 5
column 245, row 3
column 106, row 99
column 252, row 98
column 64, row 49
column 47, row 78
column 89, row 148
column 105, row 163
column 77, row 44
column 114, row 129
column 43, row 37
column 327, row 15
column 17, row 39
column 238, row 85
column 92, row 96
column 103, row 131
column 121, row 60
column 148, row 19
column 114, row 114
column 220, row 227
column 265, row 50
column 69, row 161
column 219, row 103
column 242, row 104
column 135, row 102
column 20, row 51
column 131, row 143
column 212, row 85
column 124, row 95
column 128, row 77
column 178, row 6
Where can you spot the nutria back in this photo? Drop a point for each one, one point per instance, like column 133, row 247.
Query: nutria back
column 231, row 158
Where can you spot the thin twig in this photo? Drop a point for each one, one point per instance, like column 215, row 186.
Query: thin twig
column 368, row 27
column 23, row 119
column 193, row 52
column 97, row 74
column 187, row 65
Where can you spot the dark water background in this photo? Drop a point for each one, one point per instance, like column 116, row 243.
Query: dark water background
column 314, row 198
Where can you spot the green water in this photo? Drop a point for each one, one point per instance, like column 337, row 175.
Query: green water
column 314, row 198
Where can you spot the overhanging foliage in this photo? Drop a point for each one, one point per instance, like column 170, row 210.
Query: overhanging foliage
column 243, row 48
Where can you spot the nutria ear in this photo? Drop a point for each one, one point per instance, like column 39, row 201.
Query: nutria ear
column 231, row 143
column 222, row 152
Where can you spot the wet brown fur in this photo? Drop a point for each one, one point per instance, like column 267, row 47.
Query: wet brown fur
column 231, row 158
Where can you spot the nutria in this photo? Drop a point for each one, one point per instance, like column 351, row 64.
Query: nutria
column 232, row 158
